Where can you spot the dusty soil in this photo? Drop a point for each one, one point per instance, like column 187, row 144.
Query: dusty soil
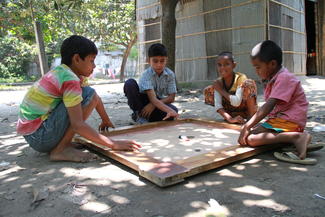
column 258, row 186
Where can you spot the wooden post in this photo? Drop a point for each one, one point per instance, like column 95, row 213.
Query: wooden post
column 267, row 19
column 321, row 37
column 40, row 48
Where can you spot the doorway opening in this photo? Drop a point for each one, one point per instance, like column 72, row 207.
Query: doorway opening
column 310, row 19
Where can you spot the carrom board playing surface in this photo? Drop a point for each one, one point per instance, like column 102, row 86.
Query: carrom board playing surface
column 174, row 150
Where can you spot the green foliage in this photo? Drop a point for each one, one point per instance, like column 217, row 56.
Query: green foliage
column 107, row 21
column 111, row 22
column 134, row 53
column 17, row 79
column 14, row 57
column 16, row 20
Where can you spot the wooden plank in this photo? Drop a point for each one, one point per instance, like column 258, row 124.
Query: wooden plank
column 171, row 172
column 216, row 124
column 129, row 129
column 164, row 174
column 130, row 159
column 161, row 173
column 216, row 159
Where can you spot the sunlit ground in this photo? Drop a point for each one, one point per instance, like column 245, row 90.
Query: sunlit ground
column 258, row 186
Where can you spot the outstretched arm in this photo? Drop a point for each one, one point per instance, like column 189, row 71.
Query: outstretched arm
column 223, row 112
column 257, row 117
column 106, row 122
column 160, row 104
column 148, row 109
column 233, row 120
column 169, row 99
column 80, row 127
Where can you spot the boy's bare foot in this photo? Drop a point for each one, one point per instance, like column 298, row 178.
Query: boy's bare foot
column 72, row 154
column 301, row 144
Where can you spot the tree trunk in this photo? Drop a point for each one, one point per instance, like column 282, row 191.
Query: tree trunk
column 125, row 57
column 40, row 48
column 168, row 29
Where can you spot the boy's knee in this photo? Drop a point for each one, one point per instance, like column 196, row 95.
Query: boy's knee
column 173, row 107
column 209, row 88
column 86, row 91
column 251, row 141
column 130, row 84
column 93, row 101
column 88, row 95
column 95, row 98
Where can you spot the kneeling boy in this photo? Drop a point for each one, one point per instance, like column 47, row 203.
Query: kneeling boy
column 151, row 99
column 232, row 94
column 285, row 108
column 56, row 106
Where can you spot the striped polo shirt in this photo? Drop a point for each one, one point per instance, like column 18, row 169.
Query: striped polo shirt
column 58, row 85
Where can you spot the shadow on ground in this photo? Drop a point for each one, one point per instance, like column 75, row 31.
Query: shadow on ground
column 258, row 186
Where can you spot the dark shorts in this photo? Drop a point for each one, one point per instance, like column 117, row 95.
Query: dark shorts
column 52, row 130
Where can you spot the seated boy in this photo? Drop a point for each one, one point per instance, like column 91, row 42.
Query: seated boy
column 151, row 99
column 285, row 108
column 233, row 95
column 56, row 106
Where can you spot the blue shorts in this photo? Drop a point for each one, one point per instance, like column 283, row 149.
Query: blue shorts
column 52, row 130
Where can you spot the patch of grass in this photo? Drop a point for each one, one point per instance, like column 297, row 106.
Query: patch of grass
column 194, row 84
column 18, row 79
column 10, row 87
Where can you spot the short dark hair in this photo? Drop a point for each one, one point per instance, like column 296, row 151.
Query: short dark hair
column 226, row 54
column 267, row 51
column 76, row 44
column 157, row 50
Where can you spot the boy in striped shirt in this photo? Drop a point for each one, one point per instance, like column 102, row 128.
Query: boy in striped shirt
column 56, row 106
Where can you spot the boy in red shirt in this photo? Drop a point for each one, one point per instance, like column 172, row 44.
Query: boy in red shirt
column 285, row 108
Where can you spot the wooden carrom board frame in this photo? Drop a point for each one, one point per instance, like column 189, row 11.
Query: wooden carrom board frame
column 169, row 173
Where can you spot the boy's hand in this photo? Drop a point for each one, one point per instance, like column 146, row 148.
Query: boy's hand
column 246, row 93
column 147, row 110
column 236, row 120
column 125, row 145
column 171, row 114
column 244, row 133
column 105, row 125
column 218, row 86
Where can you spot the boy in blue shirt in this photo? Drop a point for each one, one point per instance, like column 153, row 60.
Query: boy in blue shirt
column 151, row 99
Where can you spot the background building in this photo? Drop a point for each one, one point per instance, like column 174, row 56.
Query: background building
column 208, row 27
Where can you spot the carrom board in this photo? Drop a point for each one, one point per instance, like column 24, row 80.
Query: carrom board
column 174, row 150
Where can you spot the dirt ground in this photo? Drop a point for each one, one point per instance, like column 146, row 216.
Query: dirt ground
column 258, row 186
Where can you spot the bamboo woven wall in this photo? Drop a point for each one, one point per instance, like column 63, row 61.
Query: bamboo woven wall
column 287, row 28
column 208, row 27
